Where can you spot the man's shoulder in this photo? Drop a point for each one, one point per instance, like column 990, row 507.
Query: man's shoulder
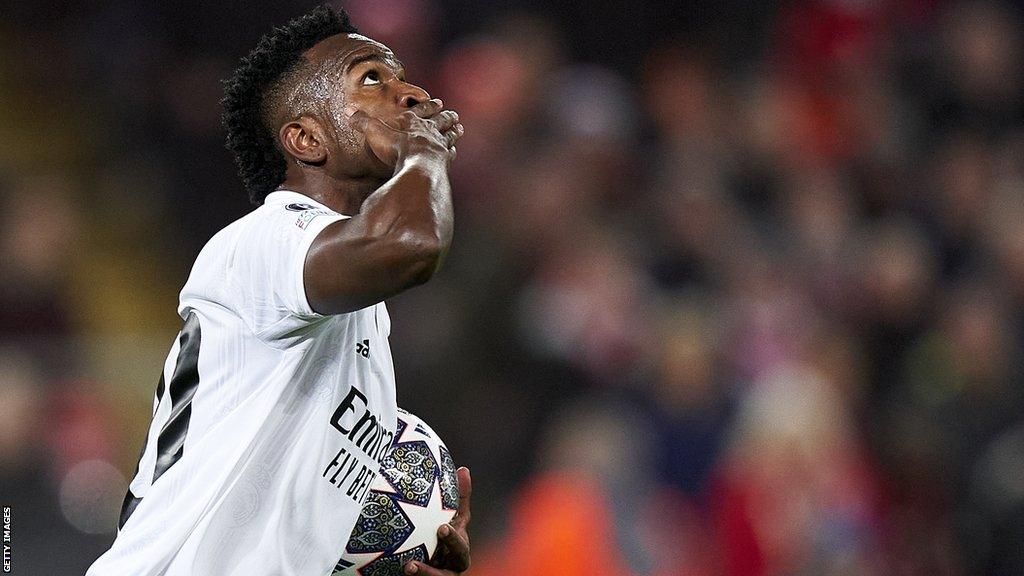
column 259, row 222
column 229, row 234
column 228, row 259
column 277, row 225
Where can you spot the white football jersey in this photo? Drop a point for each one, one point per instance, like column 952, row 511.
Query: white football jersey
column 269, row 421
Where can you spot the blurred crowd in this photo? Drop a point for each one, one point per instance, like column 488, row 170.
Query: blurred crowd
column 735, row 289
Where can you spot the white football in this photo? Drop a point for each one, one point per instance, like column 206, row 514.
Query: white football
column 416, row 492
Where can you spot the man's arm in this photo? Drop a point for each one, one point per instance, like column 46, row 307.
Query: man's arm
column 404, row 229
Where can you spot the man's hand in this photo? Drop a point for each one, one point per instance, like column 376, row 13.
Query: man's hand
column 425, row 127
column 452, row 556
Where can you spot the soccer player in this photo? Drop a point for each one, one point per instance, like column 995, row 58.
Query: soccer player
column 277, row 400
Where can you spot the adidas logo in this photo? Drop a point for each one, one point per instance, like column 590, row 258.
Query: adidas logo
column 363, row 348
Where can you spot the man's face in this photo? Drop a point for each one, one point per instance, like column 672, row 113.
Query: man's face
column 358, row 74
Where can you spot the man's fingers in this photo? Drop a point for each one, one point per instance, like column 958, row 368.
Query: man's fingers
column 462, row 515
column 428, row 108
column 446, row 120
column 452, row 136
column 421, row 569
column 456, row 547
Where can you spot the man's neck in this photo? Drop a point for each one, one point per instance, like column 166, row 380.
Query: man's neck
column 342, row 196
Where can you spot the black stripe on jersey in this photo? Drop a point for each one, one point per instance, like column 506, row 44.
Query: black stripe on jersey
column 181, row 389
column 160, row 389
column 127, row 507
column 130, row 500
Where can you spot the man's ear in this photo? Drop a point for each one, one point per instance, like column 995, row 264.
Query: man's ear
column 303, row 139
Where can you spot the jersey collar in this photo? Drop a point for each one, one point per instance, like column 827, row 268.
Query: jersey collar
column 288, row 196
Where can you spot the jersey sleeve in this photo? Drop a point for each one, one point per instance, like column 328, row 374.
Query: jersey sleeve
column 268, row 272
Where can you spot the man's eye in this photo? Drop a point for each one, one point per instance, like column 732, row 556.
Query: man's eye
column 371, row 78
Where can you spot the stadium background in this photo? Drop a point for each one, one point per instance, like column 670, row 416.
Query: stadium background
column 736, row 287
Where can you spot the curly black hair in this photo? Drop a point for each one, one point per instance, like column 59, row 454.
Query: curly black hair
column 262, row 76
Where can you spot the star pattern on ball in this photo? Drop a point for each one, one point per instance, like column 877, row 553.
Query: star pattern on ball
column 422, row 517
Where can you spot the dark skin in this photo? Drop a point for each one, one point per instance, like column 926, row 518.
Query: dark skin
column 377, row 148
